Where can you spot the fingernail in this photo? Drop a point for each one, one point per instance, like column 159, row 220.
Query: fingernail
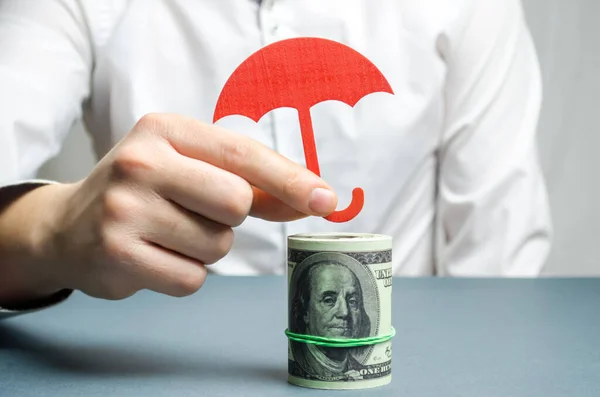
column 322, row 201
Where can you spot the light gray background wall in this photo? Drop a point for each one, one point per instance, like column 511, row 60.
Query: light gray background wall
column 568, row 43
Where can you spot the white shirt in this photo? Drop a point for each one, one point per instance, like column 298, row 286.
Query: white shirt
column 448, row 163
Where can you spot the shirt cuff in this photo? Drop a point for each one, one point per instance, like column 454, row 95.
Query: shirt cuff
column 35, row 305
column 23, row 186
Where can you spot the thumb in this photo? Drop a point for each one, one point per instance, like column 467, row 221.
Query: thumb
column 270, row 208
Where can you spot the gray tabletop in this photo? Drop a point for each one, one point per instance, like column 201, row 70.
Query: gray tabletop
column 455, row 337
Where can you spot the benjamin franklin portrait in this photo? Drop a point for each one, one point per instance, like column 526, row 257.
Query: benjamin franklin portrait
column 327, row 299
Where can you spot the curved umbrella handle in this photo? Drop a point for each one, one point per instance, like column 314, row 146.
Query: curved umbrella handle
column 312, row 163
column 356, row 205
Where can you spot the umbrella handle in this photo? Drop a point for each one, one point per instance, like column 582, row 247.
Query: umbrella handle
column 312, row 163
column 356, row 205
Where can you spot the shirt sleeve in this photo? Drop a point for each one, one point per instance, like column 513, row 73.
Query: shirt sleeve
column 45, row 66
column 493, row 212
column 33, row 306
column 46, row 60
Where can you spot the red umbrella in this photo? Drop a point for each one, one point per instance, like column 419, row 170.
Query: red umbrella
column 299, row 73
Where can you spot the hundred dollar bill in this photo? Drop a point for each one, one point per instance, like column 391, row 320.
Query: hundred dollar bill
column 339, row 286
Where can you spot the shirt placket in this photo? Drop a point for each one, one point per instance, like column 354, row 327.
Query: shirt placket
column 283, row 124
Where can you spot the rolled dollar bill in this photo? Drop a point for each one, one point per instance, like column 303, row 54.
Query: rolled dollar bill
column 340, row 310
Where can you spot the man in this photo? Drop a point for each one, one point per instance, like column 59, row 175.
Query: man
column 328, row 302
column 448, row 163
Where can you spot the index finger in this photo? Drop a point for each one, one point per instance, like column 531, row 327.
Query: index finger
column 261, row 166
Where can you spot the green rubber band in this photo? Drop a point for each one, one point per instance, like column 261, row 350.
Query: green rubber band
column 339, row 342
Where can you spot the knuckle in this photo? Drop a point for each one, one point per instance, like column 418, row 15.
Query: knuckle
column 112, row 247
column 196, row 176
column 221, row 245
column 115, row 247
column 117, row 291
column 119, row 204
column 238, row 205
column 132, row 161
column 291, row 184
column 113, row 287
column 171, row 226
column 235, row 155
column 191, row 282
column 151, row 122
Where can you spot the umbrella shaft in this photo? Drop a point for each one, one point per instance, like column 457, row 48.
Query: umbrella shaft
column 308, row 141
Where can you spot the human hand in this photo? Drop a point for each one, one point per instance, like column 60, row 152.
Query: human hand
column 162, row 204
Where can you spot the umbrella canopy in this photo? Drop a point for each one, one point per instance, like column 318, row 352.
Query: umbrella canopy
column 299, row 73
